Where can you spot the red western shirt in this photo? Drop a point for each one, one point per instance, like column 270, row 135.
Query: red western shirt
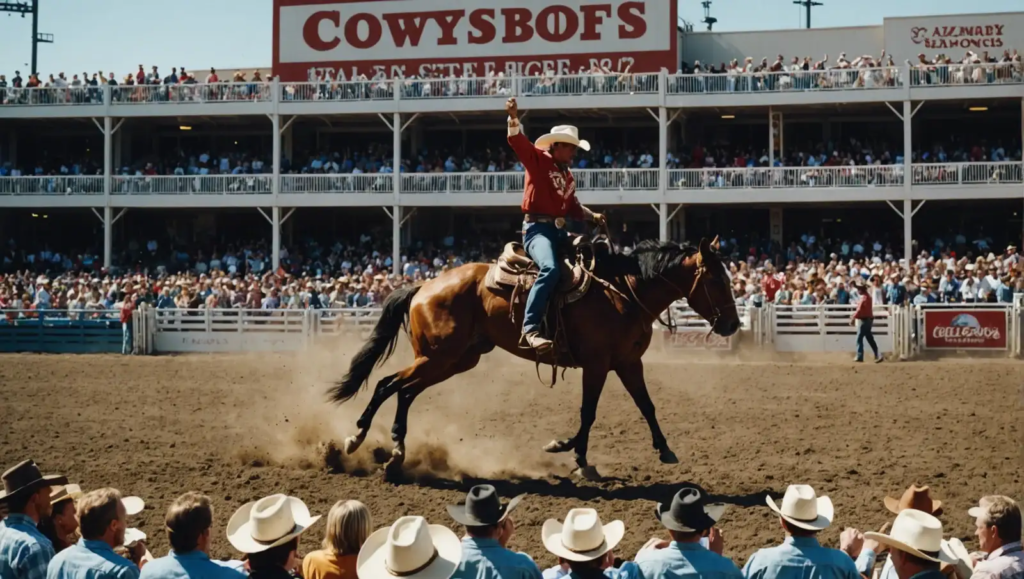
column 865, row 307
column 549, row 189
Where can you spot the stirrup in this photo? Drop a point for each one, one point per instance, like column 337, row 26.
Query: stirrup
column 535, row 341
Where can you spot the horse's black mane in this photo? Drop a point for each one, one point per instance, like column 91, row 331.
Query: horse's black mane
column 649, row 259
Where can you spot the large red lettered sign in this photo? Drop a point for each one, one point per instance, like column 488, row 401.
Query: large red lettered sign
column 405, row 38
column 965, row 329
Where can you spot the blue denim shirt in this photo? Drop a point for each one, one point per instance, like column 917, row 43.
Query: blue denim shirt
column 24, row 551
column 680, row 560
column 800, row 558
column 191, row 565
column 487, row 559
column 91, row 560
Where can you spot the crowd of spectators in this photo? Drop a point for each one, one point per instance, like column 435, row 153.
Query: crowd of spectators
column 56, row 531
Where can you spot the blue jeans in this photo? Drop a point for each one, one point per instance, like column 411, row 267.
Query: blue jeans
column 126, row 345
column 541, row 242
column 864, row 333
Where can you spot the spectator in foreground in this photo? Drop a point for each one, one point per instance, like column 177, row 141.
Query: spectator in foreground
column 348, row 526
column 268, row 532
column 62, row 523
column 917, row 546
column 103, row 521
column 189, row 523
column 802, row 515
column 915, row 497
column 25, row 553
column 411, row 549
column 998, row 528
column 688, row 519
column 488, row 530
column 584, row 542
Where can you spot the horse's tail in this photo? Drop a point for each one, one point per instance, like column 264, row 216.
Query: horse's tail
column 379, row 347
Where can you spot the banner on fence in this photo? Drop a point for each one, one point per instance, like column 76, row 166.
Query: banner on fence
column 229, row 342
column 965, row 329
column 694, row 339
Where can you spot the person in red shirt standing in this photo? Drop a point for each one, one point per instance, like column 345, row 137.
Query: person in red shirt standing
column 864, row 314
column 549, row 197
column 127, row 308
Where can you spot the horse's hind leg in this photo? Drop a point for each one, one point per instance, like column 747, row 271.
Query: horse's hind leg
column 424, row 373
column 386, row 388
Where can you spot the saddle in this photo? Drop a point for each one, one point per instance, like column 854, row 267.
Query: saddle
column 516, row 272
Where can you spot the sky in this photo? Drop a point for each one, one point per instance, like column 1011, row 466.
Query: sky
column 118, row 35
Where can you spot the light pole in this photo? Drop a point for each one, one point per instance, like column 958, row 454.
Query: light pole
column 807, row 4
column 24, row 7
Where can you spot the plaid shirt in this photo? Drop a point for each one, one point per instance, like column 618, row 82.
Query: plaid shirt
column 24, row 551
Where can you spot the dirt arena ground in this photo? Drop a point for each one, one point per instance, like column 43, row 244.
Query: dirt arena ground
column 240, row 427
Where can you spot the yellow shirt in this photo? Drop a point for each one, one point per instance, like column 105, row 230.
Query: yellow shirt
column 325, row 565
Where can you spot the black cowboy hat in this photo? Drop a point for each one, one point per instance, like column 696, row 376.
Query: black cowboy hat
column 482, row 507
column 25, row 478
column 689, row 512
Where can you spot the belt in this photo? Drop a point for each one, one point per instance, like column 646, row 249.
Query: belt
column 534, row 218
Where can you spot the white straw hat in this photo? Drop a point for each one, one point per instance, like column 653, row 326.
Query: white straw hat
column 582, row 537
column 562, row 134
column 410, row 548
column 268, row 522
column 133, row 505
column 803, row 508
column 917, row 533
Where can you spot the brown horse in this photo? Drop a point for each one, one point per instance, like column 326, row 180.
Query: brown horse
column 454, row 319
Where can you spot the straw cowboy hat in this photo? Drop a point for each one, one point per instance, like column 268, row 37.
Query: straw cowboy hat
column 410, row 548
column 803, row 508
column 562, row 134
column 582, row 537
column 917, row 498
column 919, row 534
column 63, row 493
column 689, row 511
column 24, row 478
column 268, row 522
column 482, row 507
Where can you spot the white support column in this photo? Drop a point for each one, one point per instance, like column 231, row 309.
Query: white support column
column 908, row 238
column 771, row 140
column 775, row 225
column 663, row 221
column 396, row 211
column 275, row 224
column 108, row 236
column 908, row 147
column 275, row 184
column 663, row 172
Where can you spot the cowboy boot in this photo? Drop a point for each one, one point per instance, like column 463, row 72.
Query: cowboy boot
column 537, row 342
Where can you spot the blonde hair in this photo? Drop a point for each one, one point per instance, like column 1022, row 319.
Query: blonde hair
column 348, row 526
column 96, row 510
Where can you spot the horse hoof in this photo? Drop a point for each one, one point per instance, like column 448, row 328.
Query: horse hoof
column 353, row 443
column 668, row 457
column 556, row 446
column 588, row 473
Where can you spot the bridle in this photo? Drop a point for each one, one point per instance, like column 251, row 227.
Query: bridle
column 671, row 325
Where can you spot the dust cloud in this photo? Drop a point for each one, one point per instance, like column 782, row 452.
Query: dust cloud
column 457, row 429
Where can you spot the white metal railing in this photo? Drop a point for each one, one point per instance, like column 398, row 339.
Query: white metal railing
column 589, row 84
column 966, row 74
column 230, row 320
column 787, row 177
column 512, row 182
column 339, row 183
column 192, row 93
column 46, row 96
column 52, row 185
column 811, row 80
column 456, row 87
column 191, row 185
column 355, row 90
column 968, row 173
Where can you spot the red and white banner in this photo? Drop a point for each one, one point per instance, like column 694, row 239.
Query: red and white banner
column 689, row 339
column 953, row 35
column 403, row 38
column 965, row 329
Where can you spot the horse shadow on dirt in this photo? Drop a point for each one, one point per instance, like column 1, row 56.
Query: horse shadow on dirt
column 609, row 488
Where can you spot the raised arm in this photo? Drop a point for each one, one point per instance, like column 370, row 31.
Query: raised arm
column 522, row 146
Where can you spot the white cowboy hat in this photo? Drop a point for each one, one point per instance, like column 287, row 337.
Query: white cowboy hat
column 133, row 505
column 963, row 557
column 268, row 522
column 917, row 533
column 562, row 134
column 582, row 537
column 410, row 548
column 803, row 508
column 133, row 536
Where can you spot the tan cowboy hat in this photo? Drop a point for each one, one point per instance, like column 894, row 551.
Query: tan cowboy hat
column 562, row 134
column 919, row 534
column 917, row 498
column 268, row 522
column 582, row 537
column 802, row 507
column 25, row 477
column 63, row 493
column 410, row 548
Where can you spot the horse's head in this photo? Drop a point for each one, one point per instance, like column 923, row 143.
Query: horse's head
column 711, row 294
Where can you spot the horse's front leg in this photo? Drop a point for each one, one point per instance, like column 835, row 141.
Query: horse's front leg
column 593, row 385
column 632, row 376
